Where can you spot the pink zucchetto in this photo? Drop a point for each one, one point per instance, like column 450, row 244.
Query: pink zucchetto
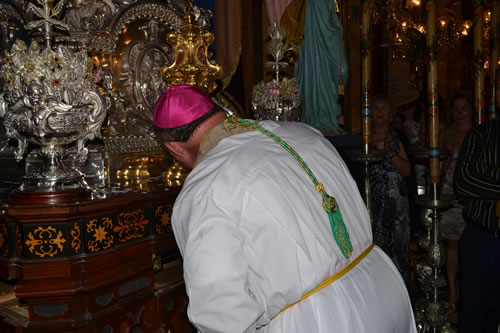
column 180, row 105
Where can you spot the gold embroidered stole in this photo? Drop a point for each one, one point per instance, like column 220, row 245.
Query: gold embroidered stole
column 216, row 134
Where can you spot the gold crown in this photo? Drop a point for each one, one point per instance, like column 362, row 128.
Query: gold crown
column 191, row 64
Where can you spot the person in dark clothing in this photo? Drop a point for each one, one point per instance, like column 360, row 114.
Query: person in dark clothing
column 411, row 184
column 477, row 182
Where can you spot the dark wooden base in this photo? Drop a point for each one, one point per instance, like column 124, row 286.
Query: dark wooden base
column 87, row 265
column 49, row 198
column 162, row 309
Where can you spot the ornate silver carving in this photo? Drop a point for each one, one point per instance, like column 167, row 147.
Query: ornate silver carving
column 132, row 144
column 127, row 45
column 8, row 11
column 10, row 21
column 277, row 47
column 94, row 15
column 431, row 312
column 281, row 110
column 150, row 11
column 49, row 101
column 278, row 99
column 48, row 18
column 133, row 80
column 148, row 83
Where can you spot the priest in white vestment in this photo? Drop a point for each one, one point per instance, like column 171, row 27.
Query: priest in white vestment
column 260, row 250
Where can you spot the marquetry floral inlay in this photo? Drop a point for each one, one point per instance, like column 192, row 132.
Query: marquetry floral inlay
column 131, row 225
column 163, row 213
column 76, row 243
column 45, row 241
column 101, row 232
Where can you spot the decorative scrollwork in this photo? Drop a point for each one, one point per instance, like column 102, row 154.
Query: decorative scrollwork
column 48, row 100
column 191, row 63
column 45, row 241
column 19, row 241
column 11, row 20
column 155, row 11
column 90, row 15
column 4, row 244
column 131, row 225
column 76, row 243
column 103, row 238
column 163, row 213
column 95, row 119
column 148, row 83
column 103, row 43
column 8, row 11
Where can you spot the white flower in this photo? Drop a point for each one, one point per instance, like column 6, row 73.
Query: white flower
column 66, row 75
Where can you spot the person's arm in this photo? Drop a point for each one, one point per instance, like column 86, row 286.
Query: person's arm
column 472, row 177
column 446, row 148
column 493, row 172
column 215, row 268
column 400, row 159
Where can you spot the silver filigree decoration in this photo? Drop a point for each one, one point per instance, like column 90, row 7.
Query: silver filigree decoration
column 277, row 99
column 8, row 11
column 49, row 100
column 91, row 15
column 47, row 17
column 151, row 11
column 277, row 47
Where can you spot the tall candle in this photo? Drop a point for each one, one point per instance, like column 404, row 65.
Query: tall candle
column 480, row 114
column 366, row 67
column 432, row 94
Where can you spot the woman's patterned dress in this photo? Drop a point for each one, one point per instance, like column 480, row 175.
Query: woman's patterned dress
column 390, row 211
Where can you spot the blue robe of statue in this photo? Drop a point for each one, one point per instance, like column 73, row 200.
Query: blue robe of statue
column 317, row 70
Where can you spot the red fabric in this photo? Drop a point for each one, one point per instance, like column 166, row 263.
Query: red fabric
column 275, row 9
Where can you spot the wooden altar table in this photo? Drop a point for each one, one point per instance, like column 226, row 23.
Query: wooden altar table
column 88, row 266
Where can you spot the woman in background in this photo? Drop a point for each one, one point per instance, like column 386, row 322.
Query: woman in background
column 390, row 206
column 452, row 222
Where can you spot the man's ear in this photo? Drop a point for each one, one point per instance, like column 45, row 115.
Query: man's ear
column 175, row 148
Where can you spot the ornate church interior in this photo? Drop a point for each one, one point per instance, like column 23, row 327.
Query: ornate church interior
column 87, row 192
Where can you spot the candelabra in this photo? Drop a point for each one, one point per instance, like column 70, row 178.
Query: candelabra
column 431, row 278
column 403, row 22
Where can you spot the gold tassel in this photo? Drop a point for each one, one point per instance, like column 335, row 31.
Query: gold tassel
column 340, row 88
